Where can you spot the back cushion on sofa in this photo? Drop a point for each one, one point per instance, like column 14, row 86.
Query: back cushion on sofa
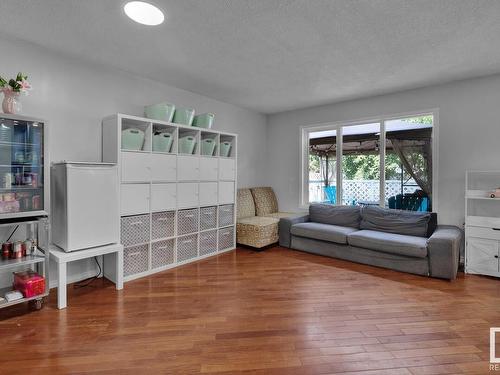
column 246, row 206
column 346, row 216
column 265, row 200
column 410, row 223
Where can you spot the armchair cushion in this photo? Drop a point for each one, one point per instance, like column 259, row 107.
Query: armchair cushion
column 279, row 215
column 246, row 206
column 257, row 231
column 265, row 200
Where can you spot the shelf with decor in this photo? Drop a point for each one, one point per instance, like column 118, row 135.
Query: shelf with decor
column 172, row 201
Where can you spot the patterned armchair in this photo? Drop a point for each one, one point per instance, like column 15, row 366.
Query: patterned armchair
column 258, row 217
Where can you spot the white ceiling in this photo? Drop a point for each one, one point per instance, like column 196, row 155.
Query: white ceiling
column 274, row 55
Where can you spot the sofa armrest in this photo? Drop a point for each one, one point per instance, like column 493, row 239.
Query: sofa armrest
column 444, row 251
column 285, row 226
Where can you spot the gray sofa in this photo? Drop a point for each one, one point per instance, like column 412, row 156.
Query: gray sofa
column 401, row 240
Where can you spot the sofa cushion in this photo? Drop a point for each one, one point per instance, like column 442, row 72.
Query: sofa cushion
column 265, row 200
column 412, row 246
column 410, row 223
column 345, row 216
column 246, row 206
column 323, row 232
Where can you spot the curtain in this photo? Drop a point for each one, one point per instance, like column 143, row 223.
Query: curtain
column 417, row 162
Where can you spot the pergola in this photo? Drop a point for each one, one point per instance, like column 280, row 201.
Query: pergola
column 363, row 144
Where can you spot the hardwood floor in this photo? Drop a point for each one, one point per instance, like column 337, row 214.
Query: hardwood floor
column 271, row 312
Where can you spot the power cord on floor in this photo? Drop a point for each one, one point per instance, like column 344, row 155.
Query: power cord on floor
column 90, row 280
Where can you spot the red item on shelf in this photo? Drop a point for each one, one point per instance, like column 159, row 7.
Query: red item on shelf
column 29, row 283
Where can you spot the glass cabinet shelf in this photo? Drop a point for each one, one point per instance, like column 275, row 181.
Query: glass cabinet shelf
column 22, row 166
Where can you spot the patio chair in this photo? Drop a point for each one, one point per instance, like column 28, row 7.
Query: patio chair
column 409, row 202
column 331, row 193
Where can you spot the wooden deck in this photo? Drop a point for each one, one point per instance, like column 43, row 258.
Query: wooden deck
column 271, row 312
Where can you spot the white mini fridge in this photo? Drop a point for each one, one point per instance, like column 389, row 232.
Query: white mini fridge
column 84, row 205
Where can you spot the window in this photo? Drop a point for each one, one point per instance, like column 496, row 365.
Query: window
column 386, row 162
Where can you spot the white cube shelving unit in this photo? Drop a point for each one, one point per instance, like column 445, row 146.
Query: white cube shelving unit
column 175, row 208
column 482, row 223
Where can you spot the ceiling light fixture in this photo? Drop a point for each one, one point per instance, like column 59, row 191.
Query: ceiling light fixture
column 144, row 13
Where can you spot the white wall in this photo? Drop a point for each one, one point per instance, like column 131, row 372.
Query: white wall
column 74, row 96
column 469, row 136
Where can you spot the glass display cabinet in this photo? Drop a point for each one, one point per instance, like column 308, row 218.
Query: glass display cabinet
column 22, row 167
column 24, row 225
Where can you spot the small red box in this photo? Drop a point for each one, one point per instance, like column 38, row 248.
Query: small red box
column 29, row 283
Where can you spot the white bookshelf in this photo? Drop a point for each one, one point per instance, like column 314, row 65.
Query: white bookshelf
column 168, row 199
column 482, row 223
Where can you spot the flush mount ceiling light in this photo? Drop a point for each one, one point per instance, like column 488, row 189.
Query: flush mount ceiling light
column 144, row 13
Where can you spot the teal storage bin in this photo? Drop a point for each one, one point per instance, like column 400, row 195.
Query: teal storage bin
column 184, row 116
column 160, row 111
column 208, row 146
column 162, row 142
column 187, row 144
column 132, row 139
column 204, row 120
column 225, row 149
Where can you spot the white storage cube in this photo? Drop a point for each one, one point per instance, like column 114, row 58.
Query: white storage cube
column 188, row 168
column 163, row 168
column 163, row 197
column 227, row 169
column 134, row 199
column 208, row 193
column 134, row 230
column 208, row 218
column 208, row 242
column 136, row 166
column 162, row 253
column 226, row 238
column 209, row 169
column 188, row 194
column 187, row 247
column 226, row 192
column 135, row 260
column 162, row 225
column 187, row 221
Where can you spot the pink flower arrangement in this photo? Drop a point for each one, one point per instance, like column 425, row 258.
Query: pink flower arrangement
column 20, row 84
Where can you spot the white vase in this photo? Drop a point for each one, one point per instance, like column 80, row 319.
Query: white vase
column 11, row 103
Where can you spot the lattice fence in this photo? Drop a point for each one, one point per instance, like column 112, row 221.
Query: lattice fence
column 360, row 190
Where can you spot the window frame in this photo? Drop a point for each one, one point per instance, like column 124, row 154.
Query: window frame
column 338, row 125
